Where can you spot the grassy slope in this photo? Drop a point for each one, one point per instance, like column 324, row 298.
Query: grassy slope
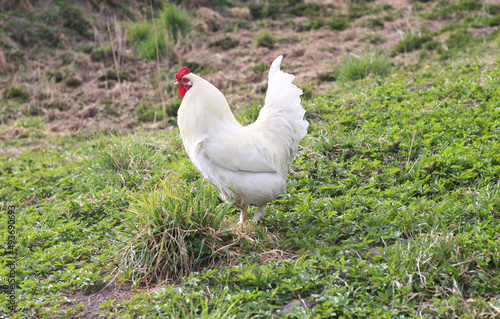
column 379, row 230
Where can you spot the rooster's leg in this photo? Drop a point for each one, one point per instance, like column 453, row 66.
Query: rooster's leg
column 243, row 216
column 258, row 214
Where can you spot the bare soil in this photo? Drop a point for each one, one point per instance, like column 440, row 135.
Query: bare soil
column 96, row 103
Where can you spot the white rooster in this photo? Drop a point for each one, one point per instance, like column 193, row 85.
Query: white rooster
column 246, row 164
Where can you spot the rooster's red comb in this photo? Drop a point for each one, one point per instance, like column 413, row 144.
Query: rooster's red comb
column 182, row 71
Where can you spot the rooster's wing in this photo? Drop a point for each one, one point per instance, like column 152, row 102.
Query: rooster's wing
column 238, row 151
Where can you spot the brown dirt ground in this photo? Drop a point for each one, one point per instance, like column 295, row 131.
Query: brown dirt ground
column 307, row 54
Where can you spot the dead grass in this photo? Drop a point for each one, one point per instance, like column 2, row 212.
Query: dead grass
column 311, row 54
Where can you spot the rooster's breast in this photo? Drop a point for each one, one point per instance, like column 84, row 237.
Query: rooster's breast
column 243, row 187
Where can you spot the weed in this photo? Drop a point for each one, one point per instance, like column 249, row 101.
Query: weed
column 175, row 21
column 242, row 24
column 301, row 8
column 461, row 40
column 314, row 24
column 74, row 19
column 196, row 67
column 264, row 9
column 249, row 112
column 412, row 43
column 387, row 7
column 265, row 39
column 123, row 162
column 31, row 110
column 102, row 54
column 389, row 17
column 327, row 76
column 374, row 64
column 318, row 24
column 338, row 23
column 271, row 8
column 59, row 105
column 172, row 231
column 16, row 91
column 468, row 5
column 28, row 29
column 356, row 11
column 109, row 108
column 220, row 4
column 493, row 9
column 260, row 68
column 30, row 122
column 140, row 31
column 173, row 106
column 85, row 48
column 494, row 21
column 373, row 38
column 460, row 9
column 432, row 45
column 73, row 82
column 375, row 23
column 225, row 43
column 308, row 91
column 149, row 113
column 155, row 45
column 120, row 75
column 43, row 95
column 155, row 38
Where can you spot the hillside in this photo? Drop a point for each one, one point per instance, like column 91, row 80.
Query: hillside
column 392, row 207
column 74, row 69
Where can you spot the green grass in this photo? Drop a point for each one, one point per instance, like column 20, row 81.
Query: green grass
column 16, row 91
column 156, row 238
column 265, row 39
column 369, row 64
column 412, row 43
column 338, row 23
column 494, row 21
column 260, row 68
column 262, row 10
column 175, row 21
column 146, row 112
column 157, row 37
column 391, row 210
column 225, row 43
column 273, row 8
column 175, row 229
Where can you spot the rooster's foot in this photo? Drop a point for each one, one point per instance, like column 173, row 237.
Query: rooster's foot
column 258, row 214
column 243, row 216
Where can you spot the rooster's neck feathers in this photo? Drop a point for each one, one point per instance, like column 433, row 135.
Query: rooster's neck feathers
column 204, row 110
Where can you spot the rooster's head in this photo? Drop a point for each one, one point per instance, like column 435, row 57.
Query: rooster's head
column 183, row 82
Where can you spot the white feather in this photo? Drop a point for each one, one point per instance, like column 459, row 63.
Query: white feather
column 248, row 165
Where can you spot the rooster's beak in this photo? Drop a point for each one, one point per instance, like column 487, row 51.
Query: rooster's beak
column 176, row 83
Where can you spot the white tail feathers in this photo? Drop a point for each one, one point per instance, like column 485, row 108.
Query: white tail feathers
column 281, row 119
column 275, row 67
